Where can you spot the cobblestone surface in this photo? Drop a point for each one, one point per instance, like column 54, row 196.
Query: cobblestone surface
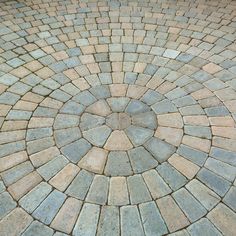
column 117, row 117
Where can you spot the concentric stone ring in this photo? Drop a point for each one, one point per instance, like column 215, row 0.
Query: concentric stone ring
column 117, row 118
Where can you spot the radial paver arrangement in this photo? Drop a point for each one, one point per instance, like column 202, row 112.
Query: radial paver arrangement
column 117, row 118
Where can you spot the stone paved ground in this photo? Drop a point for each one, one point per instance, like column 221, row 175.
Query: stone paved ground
column 117, row 117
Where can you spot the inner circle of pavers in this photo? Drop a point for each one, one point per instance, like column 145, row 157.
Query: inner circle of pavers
column 94, row 146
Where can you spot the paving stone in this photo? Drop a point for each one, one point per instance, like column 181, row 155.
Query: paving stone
column 39, row 145
column 32, row 199
column 118, row 141
column 95, row 195
column 37, row 228
column 221, row 168
column 89, row 121
column 141, row 160
column 94, row 160
column 137, row 189
column 171, row 176
column 118, row 164
column 63, row 121
column 118, row 104
column 156, row 185
column 118, row 121
column 85, row 98
column 64, row 177
column 138, row 135
column 19, row 221
column 33, row 134
column 9, row 98
column 19, row 115
column 49, row 207
column 80, row 185
column 72, row 108
column 229, row 198
column 24, row 185
column 153, row 223
column 151, row 97
column 136, row 106
column 88, row 217
column 67, row 215
column 118, row 192
column 145, row 120
column 159, row 149
column 182, row 232
column 203, row 226
column 195, row 156
column 99, row 108
column 130, row 221
column 66, row 136
column 44, row 156
column 12, row 175
column 214, row 181
column 217, row 111
column 164, row 106
column 198, row 131
column 170, row 212
column 7, row 204
column 109, row 221
column 97, row 136
column 187, row 168
column 189, row 205
column 223, row 155
column 76, row 150
column 48, row 170
column 100, row 92
column 222, row 217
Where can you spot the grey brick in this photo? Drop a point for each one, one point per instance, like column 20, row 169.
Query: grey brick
column 80, row 185
column 130, row 221
column 203, row 227
column 153, row 223
column 7, row 204
column 86, row 224
column 171, row 176
column 189, row 205
column 137, row 189
column 109, row 223
column 213, row 181
column 49, row 207
column 32, row 199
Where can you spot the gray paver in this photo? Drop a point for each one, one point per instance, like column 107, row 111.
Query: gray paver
column 153, row 223
column 80, row 185
column 49, row 207
column 189, row 205
column 171, row 176
column 141, row 160
column 88, row 219
column 109, row 221
column 161, row 150
column 203, row 227
column 130, row 221
column 37, row 228
column 138, row 190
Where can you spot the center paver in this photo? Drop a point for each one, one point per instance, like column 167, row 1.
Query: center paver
column 117, row 118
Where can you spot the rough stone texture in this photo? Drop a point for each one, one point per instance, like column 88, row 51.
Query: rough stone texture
column 117, row 117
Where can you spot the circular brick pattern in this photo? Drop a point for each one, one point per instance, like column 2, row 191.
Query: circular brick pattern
column 117, row 118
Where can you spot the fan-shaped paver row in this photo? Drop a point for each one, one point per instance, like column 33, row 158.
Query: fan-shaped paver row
column 117, row 118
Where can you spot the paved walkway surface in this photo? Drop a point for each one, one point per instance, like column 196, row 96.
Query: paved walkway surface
column 117, row 118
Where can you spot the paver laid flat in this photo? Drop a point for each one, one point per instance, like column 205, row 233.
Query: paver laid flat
column 117, row 117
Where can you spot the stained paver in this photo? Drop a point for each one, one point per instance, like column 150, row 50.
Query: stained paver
column 117, row 117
